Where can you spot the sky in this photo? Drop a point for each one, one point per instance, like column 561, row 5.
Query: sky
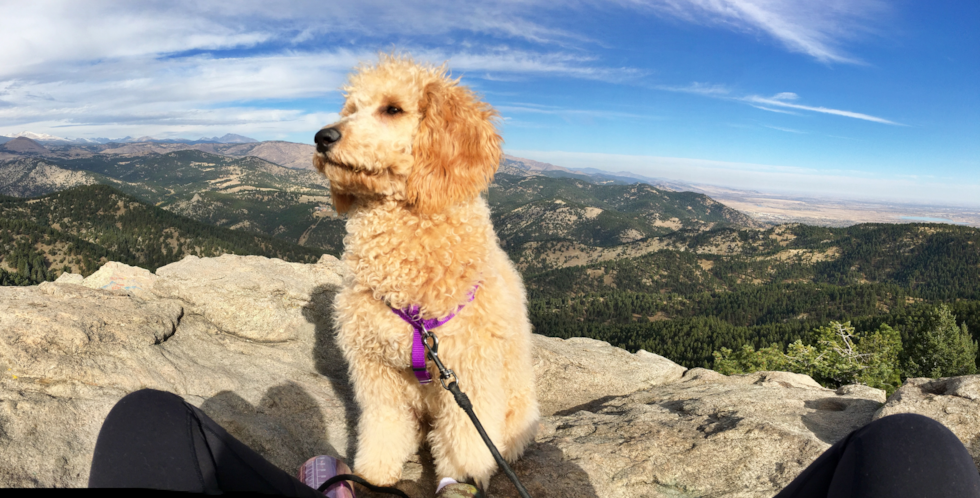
column 858, row 99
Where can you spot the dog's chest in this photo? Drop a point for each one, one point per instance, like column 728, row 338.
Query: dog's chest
column 429, row 261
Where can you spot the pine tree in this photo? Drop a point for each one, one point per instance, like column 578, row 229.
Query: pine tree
column 937, row 347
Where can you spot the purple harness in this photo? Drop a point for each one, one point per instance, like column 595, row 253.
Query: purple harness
column 420, row 326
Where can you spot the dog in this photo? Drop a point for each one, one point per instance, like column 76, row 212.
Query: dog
column 407, row 162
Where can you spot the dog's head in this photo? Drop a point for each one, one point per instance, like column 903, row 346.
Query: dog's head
column 410, row 133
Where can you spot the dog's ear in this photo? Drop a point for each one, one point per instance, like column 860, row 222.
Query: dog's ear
column 456, row 151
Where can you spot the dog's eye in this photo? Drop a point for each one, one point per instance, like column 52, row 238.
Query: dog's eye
column 392, row 110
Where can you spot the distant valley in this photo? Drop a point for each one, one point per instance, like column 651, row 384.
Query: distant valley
column 642, row 265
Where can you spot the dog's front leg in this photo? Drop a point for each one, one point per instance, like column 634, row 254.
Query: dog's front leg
column 373, row 339
column 388, row 429
column 456, row 446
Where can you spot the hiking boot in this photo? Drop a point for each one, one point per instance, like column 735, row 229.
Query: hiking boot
column 449, row 488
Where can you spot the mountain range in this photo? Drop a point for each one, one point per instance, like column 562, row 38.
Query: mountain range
column 244, row 186
column 46, row 139
column 287, row 154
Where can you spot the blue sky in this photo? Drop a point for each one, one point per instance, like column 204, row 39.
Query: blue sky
column 861, row 99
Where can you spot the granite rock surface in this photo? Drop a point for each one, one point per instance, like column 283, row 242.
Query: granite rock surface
column 249, row 340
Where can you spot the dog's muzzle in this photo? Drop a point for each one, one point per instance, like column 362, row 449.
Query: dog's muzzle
column 325, row 139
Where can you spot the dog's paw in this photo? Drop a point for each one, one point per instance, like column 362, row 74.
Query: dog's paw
column 379, row 476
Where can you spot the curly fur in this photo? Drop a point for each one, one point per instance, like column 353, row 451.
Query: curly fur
column 420, row 233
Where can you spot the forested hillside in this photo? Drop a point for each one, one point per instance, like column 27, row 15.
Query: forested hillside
column 538, row 208
column 730, row 287
column 79, row 229
column 936, row 262
column 241, row 193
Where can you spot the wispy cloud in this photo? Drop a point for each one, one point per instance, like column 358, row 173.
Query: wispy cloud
column 817, row 29
column 764, row 108
column 783, row 100
column 175, row 92
column 784, row 96
column 772, row 101
column 185, row 63
column 35, row 33
column 526, row 63
column 698, row 88
column 564, row 112
column 788, row 130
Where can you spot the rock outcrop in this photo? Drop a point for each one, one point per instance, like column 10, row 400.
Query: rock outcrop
column 954, row 401
column 30, row 177
column 249, row 340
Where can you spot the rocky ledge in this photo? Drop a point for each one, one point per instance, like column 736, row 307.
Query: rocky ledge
column 249, row 341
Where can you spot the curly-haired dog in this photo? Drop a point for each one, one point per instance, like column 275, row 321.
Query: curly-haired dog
column 407, row 161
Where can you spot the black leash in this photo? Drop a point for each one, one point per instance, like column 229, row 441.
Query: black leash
column 464, row 402
column 351, row 477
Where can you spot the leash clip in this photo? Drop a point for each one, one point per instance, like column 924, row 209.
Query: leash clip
column 433, row 351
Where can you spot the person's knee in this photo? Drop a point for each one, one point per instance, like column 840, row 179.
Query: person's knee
column 909, row 426
column 145, row 407
column 913, row 435
column 148, row 399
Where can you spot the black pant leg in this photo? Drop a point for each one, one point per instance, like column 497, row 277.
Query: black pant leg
column 905, row 455
column 152, row 439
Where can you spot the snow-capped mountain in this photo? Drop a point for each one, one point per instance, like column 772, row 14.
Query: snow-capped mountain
column 40, row 137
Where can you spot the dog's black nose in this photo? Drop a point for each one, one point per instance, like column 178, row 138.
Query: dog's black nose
column 325, row 138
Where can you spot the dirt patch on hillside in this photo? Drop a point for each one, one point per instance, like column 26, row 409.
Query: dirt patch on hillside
column 672, row 223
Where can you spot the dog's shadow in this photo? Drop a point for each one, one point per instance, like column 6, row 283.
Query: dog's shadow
column 286, row 427
column 329, row 361
column 545, row 472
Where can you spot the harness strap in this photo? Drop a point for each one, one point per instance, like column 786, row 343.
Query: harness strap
column 411, row 315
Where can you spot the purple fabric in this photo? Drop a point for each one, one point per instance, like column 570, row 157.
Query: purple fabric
column 411, row 315
column 318, row 469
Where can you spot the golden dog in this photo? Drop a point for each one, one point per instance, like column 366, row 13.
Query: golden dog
column 407, row 161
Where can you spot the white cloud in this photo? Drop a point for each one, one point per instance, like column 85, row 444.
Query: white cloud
column 698, row 88
column 815, row 28
column 43, row 32
column 195, row 90
column 198, row 93
column 778, row 100
column 755, row 99
column 842, row 184
column 524, row 63
column 101, row 64
column 764, row 108
column 183, row 63
column 788, row 130
column 570, row 113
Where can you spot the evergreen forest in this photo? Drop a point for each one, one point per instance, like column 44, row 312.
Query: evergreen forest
column 80, row 229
